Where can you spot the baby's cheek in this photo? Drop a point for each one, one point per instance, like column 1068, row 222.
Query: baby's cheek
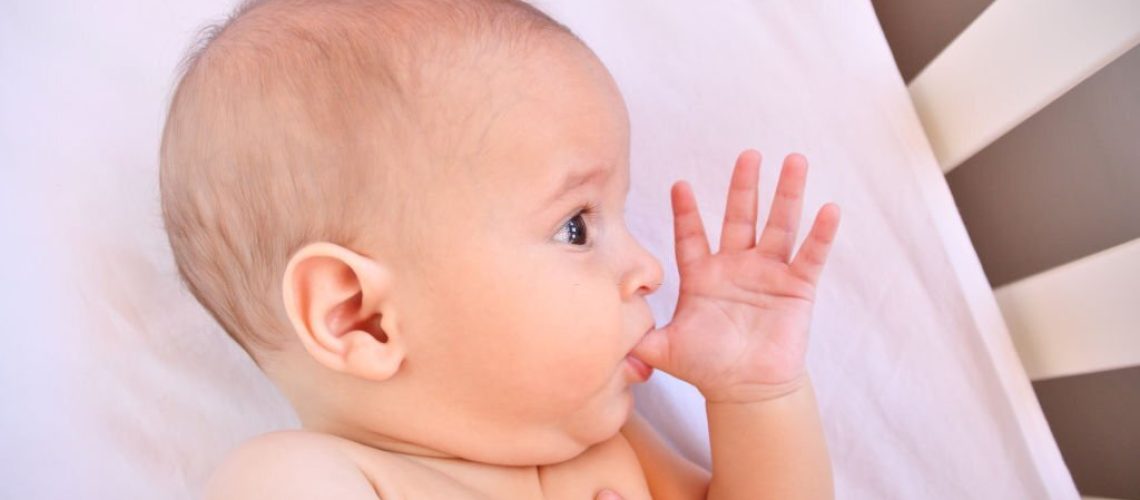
column 588, row 348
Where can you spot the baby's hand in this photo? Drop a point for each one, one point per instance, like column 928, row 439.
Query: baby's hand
column 739, row 333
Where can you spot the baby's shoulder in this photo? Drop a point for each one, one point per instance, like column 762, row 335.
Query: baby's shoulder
column 288, row 464
column 303, row 464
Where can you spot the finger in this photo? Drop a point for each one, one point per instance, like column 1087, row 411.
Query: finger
column 653, row 348
column 608, row 495
column 688, row 231
column 809, row 261
column 739, row 229
column 779, row 234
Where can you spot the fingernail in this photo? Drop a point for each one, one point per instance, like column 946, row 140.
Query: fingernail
column 608, row 495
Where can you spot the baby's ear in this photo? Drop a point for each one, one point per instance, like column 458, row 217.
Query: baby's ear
column 338, row 304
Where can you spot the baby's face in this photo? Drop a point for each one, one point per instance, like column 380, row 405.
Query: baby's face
column 530, row 304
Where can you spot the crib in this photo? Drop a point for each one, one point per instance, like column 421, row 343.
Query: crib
column 118, row 385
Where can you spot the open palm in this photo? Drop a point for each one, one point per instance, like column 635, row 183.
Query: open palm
column 741, row 324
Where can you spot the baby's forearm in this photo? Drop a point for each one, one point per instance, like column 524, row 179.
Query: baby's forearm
column 770, row 449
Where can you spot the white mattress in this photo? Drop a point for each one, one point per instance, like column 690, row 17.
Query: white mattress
column 115, row 384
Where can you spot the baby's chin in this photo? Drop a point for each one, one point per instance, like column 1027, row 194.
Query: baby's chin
column 546, row 445
column 603, row 426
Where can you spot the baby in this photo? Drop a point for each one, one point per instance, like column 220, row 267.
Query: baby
column 410, row 215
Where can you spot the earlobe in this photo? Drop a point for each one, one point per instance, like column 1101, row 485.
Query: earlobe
column 338, row 305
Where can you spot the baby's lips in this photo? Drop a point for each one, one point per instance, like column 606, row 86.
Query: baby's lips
column 641, row 369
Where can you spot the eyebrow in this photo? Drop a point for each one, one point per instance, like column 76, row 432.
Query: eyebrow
column 576, row 179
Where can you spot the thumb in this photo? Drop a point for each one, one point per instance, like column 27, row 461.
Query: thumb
column 608, row 495
column 653, row 348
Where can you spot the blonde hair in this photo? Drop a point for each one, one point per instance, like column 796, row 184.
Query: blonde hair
column 299, row 121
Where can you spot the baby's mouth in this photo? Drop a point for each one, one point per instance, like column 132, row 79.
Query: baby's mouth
column 639, row 369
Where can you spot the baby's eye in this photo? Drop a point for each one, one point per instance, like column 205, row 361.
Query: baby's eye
column 575, row 229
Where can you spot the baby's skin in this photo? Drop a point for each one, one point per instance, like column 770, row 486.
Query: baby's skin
column 512, row 378
column 739, row 335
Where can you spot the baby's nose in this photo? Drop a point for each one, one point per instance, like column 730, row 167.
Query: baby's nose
column 644, row 279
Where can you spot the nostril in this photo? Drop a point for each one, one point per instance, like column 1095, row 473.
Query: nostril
column 652, row 287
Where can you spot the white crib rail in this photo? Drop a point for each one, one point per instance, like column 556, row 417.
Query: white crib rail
column 1015, row 58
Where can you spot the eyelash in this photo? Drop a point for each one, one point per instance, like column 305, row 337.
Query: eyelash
column 588, row 214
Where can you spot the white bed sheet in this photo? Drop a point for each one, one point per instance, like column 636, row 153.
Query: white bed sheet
column 115, row 384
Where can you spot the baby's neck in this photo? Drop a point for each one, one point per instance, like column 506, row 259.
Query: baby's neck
column 506, row 481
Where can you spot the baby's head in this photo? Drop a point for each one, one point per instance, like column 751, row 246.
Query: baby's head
column 410, row 215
